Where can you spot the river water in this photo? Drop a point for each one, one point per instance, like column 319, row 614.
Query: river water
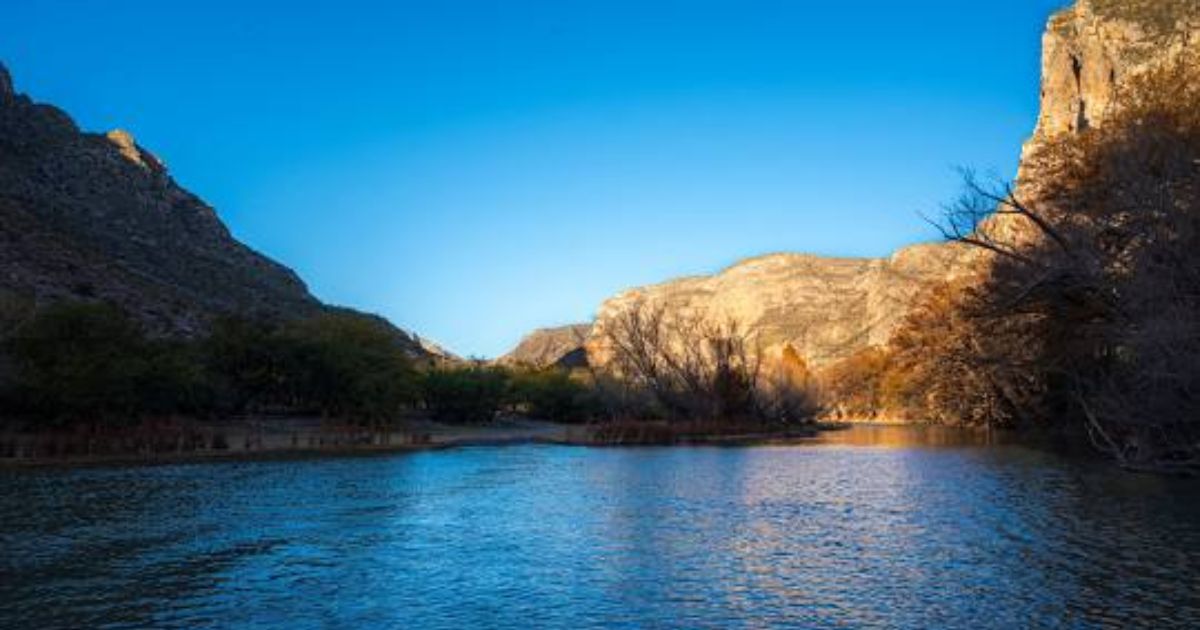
column 891, row 527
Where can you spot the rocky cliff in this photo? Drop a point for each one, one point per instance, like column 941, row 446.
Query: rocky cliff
column 1091, row 49
column 1091, row 53
column 827, row 308
column 96, row 216
column 550, row 346
column 87, row 216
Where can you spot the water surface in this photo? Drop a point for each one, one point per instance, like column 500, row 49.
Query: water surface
column 884, row 527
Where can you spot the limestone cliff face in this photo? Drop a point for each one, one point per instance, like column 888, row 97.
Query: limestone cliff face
column 1090, row 53
column 1092, row 48
column 827, row 308
column 550, row 346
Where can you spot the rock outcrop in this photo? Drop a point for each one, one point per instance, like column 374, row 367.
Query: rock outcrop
column 88, row 216
column 95, row 216
column 1091, row 49
column 434, row 351
column 824, row 308
column 827, row 308
column 546, row 347
column 1092, row 52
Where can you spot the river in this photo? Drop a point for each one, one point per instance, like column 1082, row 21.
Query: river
column 894, row 527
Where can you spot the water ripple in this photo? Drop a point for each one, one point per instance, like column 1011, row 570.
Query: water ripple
column 892, row 529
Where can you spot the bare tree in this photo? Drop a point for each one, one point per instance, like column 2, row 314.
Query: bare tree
column 698, row 368
column 1094, row 286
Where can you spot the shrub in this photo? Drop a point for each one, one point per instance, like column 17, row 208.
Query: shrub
column 852, row 387
column 91, row 362
column 80, row 361
column 245, row 361
column 1086, row 315
column 350, row 365
column 696, row 368
column 553, row 394
column 337, row 363
column 468, row 395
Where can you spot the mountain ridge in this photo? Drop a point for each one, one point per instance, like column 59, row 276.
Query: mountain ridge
column 98, row 217
column 1089, row 51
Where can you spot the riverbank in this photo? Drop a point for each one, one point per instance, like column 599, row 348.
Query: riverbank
column 285, row 438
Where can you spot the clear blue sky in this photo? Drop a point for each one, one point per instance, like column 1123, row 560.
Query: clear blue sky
column 472, row 170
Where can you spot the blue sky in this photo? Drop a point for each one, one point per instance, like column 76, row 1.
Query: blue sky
column 472, row 170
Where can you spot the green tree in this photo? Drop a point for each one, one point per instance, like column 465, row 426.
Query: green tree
column 553, row 394
column 246, row 366
column 78, row 361
column 471, row 395
column 348, row 364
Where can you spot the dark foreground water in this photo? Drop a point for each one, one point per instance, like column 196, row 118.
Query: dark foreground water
column 881, row 527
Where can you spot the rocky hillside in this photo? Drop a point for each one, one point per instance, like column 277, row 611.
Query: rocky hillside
column 96, row 216
column 87, row 216
column 550, row 346
column 827, row 308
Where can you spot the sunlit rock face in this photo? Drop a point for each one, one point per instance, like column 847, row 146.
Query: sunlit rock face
column 1091, row 52
column 96, row 217
column 545, row 347
column 827, row 308
column 130, row 150
column 1092, row 48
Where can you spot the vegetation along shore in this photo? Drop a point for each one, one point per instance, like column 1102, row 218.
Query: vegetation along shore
column 1063, row 301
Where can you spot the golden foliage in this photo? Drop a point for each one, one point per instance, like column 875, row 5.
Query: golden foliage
column 1088, row 313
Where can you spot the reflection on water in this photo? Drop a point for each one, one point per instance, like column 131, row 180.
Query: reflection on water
column 909, row 436
column 874, row 526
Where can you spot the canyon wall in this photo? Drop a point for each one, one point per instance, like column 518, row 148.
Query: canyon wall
column 828, row 308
